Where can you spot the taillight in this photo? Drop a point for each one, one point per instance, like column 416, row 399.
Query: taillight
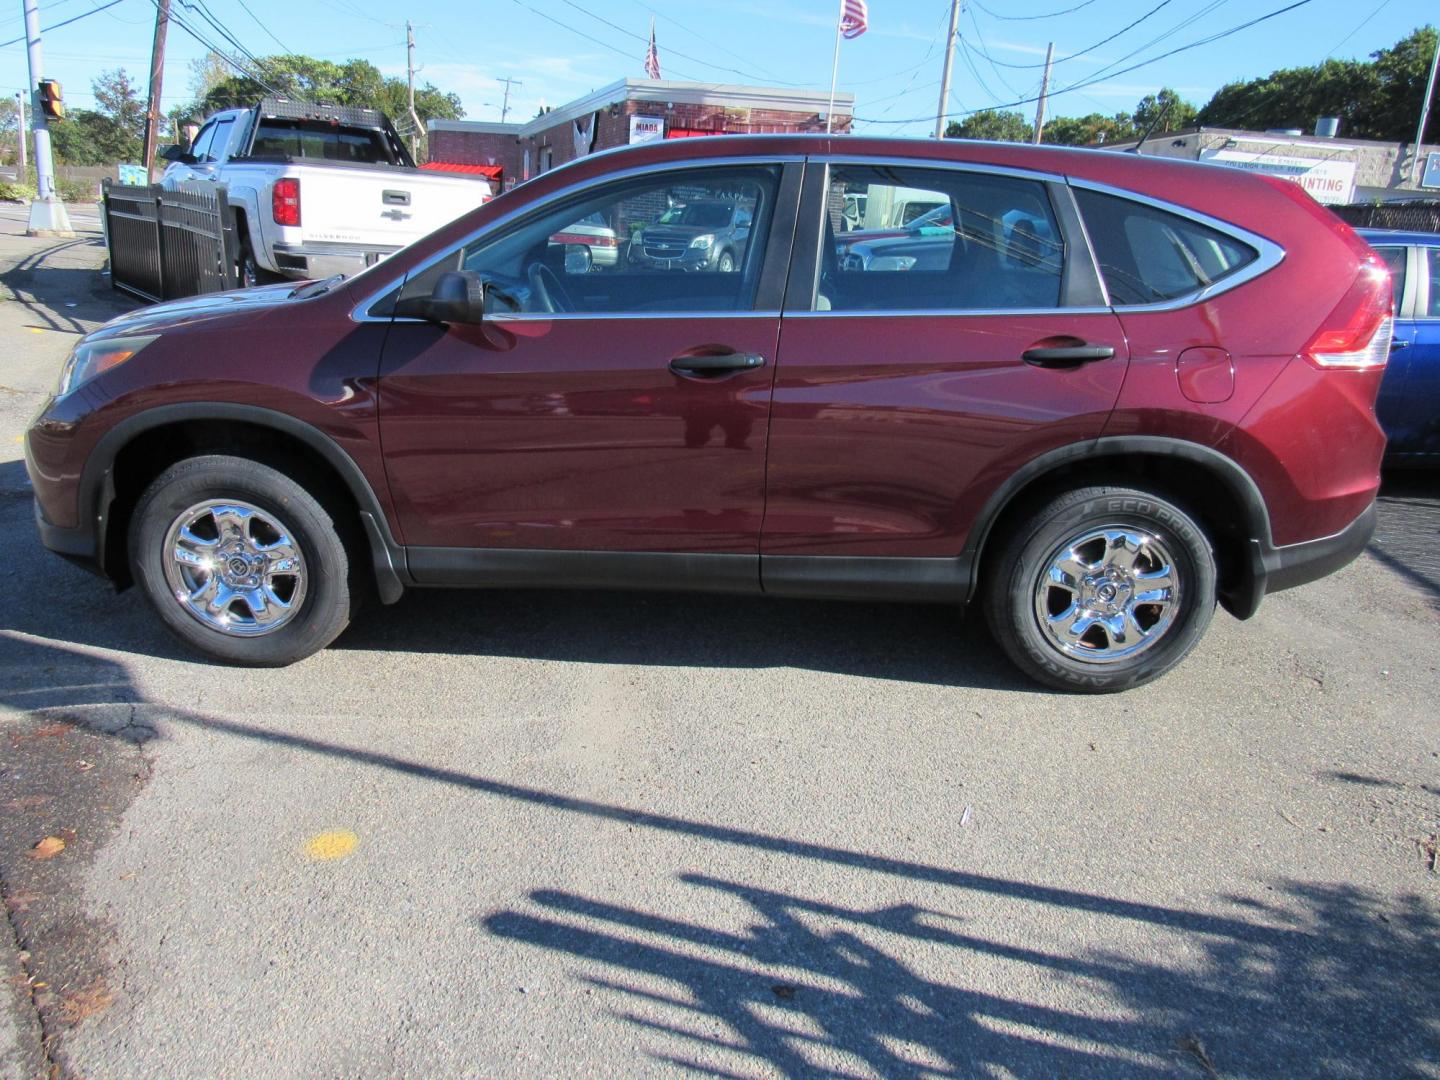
column 1357, row 333
column 285, row 201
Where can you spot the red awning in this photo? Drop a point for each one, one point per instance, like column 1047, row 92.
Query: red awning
column 491, row 171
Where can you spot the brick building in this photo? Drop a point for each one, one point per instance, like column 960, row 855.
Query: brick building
column 631, row 110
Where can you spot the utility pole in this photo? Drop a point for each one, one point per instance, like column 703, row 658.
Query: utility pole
column 505, row 104
column 944, row 106
column 1425, row 114
column 157, row 77
column 47, row 213
column 410, row 78
column 1044, row 94
column 20, row 135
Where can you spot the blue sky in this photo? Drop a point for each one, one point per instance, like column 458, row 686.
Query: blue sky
column 894, row 70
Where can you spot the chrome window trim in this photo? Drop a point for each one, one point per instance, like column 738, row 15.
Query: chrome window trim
column 953, row 313
column 571, row 316
column 360, row 313
column 938, row 163
column 1270, row 254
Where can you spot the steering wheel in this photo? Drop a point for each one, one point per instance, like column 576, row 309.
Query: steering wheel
column 548, row 289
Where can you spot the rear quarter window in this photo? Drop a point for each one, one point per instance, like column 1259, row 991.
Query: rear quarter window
column 1148, row 255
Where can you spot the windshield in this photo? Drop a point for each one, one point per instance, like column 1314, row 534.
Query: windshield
column 703, row 215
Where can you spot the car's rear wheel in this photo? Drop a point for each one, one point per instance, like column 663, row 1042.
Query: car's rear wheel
column 240, row 562
column 1100, row 589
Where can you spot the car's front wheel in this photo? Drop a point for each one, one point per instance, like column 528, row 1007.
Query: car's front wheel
column 240, row 561
column 1100, row 589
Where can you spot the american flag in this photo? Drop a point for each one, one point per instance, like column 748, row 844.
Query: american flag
column 854, row 18
column 652, row 56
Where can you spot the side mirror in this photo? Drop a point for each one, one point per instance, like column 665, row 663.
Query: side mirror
column 578, row 259
column 176, row 153
column 458, row 297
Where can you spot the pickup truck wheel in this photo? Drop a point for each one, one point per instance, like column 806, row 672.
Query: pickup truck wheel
column 1101, row 589
column 240, row 561
column 248, row 273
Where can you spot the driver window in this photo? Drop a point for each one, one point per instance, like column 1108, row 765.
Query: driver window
column 688, row 240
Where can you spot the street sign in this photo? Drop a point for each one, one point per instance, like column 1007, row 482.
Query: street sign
column 1430, row 177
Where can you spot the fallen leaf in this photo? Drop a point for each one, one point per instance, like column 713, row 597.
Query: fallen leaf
column 55, row 730
column 84, row 766
column 47, row 848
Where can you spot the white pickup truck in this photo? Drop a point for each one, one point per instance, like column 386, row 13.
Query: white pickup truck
column 318, row 189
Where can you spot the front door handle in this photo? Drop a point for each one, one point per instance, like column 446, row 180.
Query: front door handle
column 716, row 365
column 1396, row 343
column 1067, row 355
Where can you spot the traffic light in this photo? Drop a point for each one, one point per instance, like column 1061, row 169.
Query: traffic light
column 52, row 99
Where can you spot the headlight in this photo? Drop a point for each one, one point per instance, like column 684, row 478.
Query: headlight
column 891, row 262
column 91, row 358
column 703, row 243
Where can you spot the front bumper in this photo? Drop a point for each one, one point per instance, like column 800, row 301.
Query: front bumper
column 79, row 546
column 1273, row 569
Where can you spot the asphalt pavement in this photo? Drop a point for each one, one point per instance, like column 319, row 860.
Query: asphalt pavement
column 565, row 834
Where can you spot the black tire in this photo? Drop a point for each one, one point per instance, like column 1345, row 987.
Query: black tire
column 726, row 263
column 325, row 606
column 248, row 272
column 1013, row 597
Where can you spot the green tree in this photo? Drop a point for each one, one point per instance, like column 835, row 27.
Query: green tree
column 1094, row 129
column 108, row 134
column 991, row 124
column 9, row 128
column 1165, row 111
column 1375, row 99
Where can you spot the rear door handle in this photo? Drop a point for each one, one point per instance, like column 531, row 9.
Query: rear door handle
column 1396, row 343
column 716, row 365
column 1067, row 355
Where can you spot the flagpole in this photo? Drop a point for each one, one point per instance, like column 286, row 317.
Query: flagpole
column 834, row 73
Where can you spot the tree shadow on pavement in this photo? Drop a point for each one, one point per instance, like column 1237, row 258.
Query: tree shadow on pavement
column 1317, row 979
column 1324, row 981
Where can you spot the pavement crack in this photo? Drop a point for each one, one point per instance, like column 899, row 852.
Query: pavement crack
column 38, row 1028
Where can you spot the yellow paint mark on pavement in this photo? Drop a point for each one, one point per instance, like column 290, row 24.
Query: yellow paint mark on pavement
column 335, row 844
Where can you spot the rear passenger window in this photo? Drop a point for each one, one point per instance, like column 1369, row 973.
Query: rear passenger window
column 1395, row 258
column 898, row 239
column 1148, row 255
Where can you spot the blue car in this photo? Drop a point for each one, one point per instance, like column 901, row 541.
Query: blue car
column 1409, row 402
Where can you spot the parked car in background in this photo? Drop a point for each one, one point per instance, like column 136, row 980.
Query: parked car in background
column 1409, row 403
column 1095, row 440
column 591, row 241
column 318, row 189
column 703, row 234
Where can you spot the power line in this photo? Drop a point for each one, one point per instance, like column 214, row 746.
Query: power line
column 1030, row 18
column 67, row 22
column 670, row 49
column 1089, row 48
column 263, row 26
column 588, row 37
column 1091, row 81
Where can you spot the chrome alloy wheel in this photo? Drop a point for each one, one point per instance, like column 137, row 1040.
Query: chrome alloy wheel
column 234, row 567
column 1107, row 594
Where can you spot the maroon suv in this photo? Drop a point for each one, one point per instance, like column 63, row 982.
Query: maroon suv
column 1109, row 392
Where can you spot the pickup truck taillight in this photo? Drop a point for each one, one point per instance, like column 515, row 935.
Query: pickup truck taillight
column 285, row 201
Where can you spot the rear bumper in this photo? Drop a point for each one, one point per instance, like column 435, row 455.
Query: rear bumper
column 1273, row 569
column 318, row 260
